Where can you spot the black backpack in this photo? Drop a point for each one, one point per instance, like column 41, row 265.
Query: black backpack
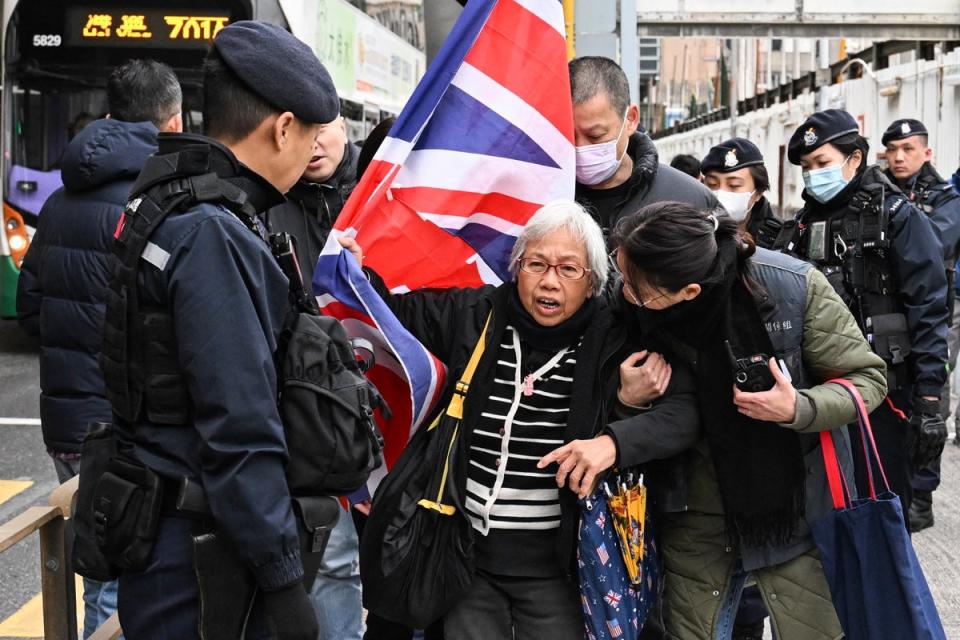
column 326, row 406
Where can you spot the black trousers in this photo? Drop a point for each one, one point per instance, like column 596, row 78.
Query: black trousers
column 507, row 608
column 891, row 431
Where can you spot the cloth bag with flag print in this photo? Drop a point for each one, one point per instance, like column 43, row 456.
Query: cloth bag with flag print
column 618, row 562
column 877, row 585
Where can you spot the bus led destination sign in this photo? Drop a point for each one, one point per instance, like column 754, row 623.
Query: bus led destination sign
column 154, row 28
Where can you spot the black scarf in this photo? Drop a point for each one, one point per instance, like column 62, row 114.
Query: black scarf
column 759, row 464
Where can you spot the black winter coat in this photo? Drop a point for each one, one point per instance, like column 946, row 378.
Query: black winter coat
column 60, row 296
column 449, row 323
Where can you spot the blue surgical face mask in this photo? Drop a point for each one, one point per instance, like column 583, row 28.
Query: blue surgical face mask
column 824, row 184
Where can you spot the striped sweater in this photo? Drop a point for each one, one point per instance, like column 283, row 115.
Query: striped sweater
column 520, row 423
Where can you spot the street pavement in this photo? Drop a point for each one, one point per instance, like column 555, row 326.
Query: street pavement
column 27, row 478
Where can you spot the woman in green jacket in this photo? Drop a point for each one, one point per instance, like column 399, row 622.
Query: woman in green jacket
column 756, row 478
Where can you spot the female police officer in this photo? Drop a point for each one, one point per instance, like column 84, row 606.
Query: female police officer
column 735, row 172
column 881, row 254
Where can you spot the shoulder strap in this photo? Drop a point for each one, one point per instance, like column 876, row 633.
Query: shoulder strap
column 455, row 408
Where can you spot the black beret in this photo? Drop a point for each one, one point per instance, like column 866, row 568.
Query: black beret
column 279, row 68
column 819, row 129
column 903, row 128
column 731, row 155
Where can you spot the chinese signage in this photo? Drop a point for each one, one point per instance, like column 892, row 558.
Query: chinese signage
column 368, row 62
column 154, row 28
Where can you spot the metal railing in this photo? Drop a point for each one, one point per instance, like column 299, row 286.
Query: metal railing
column 52, row 524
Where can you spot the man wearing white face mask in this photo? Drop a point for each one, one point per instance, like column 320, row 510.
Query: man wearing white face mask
column 883, row 257
column 618, row 169
column 735, row 172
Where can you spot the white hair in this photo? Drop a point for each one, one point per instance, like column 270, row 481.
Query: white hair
column 566, row 214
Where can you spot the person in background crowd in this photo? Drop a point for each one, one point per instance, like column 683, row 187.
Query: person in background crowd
column 688, row 164
column 213, row 302
column 908, row 166
column 756, row 478
column 618, row 169
column 314, row 203
column 883, row 257
column 309, row 213
column 538, row 398
column 79, row 123
column 61, row 293
column 735, row 172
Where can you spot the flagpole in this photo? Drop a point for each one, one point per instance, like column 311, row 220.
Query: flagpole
column 568, row 6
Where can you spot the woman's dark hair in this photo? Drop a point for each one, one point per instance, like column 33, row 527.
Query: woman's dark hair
column 669, row 245
column 372, row 144
column 761, row 180
column 853, row 142
column 688, row 164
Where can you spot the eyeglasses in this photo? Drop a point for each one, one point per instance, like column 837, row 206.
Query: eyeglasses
column 628, row 291
column 565, row 270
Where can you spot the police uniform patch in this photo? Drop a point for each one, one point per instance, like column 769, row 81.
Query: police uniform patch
column 730, row 160
column 810, row 137
column 905, row 128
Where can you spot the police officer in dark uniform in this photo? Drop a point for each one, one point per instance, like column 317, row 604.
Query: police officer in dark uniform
column 881, row 254
column 735, row 172
column 908, row 166
column 190, row 343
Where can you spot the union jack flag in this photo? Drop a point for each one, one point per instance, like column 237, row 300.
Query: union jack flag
column 485, row 140
column 613, row 599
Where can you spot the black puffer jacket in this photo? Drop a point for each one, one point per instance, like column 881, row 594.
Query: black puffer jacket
column 650, row 182
column 60, row 297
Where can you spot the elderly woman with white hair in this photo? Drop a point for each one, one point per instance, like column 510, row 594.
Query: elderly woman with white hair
column 542, row 395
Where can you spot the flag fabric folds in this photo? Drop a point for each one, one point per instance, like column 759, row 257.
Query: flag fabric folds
column 485, row 141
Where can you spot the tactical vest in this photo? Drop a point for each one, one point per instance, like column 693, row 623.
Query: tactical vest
column 928, row 189
column 765, row 228
column 139, row 357
column 851, row 248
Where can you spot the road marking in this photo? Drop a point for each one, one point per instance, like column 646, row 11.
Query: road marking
column 10, row 488
column 19, row 422
column 27, row 622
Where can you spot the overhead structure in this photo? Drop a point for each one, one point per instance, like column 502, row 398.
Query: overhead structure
column 876, row 19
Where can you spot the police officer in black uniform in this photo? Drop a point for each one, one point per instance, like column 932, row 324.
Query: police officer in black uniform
column 735, row 172
column 908, row 166
column 881, row 254
column 190, row 342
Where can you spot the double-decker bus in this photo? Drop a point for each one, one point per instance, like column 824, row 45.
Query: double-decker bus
column 57, row 54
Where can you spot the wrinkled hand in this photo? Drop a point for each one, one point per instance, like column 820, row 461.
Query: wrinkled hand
column 928, row 432
column 779, row 404
column 640, row 385
column 351, row 245
column 581, row 461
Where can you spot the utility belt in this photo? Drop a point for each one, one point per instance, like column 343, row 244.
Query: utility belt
column 121, row 503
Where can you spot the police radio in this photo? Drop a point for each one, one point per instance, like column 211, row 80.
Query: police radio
column 751, row 374
column 284, row 248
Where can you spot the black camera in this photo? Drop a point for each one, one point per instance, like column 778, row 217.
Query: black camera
column 751, row 374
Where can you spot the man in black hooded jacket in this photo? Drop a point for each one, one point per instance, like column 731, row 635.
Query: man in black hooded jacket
column 618, row 168
column 61, row 292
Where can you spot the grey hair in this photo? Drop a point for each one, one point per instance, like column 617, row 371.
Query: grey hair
column 566, row 214
column 592, row 75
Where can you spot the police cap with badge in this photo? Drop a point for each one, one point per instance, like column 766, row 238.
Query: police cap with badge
column 279, row 68
column 903, row 128
column 831, row 125
column 731, row 155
